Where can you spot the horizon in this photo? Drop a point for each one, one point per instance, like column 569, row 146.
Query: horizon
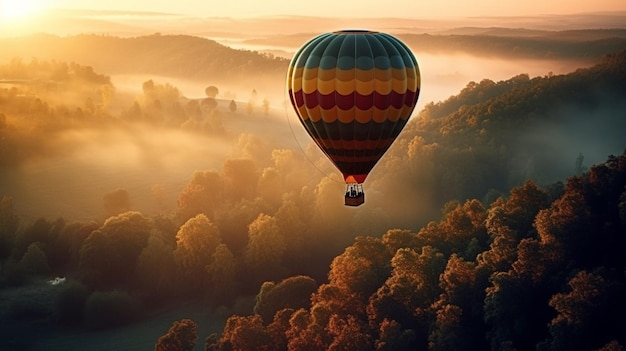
column 230, row 30
column 251, row 18
column 327, row 8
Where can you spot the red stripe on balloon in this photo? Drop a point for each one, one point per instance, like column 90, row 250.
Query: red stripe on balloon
column 362, row 102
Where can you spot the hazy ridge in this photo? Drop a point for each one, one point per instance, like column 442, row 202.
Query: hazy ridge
column 169, row 55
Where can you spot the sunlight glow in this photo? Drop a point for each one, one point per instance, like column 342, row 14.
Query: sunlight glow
column 14, row 10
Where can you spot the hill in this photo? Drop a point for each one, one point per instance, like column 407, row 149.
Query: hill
column 493, row 136
column 181, row 56
column 522, row 43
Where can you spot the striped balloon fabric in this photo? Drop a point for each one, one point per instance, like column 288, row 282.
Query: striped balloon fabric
column 354, row 91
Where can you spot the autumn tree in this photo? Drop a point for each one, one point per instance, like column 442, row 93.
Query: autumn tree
column 223, row 274
column 586, row 317
column 265, row 249
column 307, row 330
column 293, row 292
column 447, row 333
column 243, row 333
column 203, row 194
column 395, row 239
column 182, row 336
column 196, row 242
column 361, row 268
column 413, row 286
column 508, row 222
column 462, row 225
column 392, row 337
column 349, row 334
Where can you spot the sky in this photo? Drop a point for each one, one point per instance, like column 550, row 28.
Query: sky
column 326, row 8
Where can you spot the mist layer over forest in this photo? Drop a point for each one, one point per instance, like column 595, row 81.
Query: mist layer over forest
column 209, row 190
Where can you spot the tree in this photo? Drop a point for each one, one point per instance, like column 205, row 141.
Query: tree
column 109, row 255
column 396, row 239
column 35, row 261
column 223, row 274
column 265, row 249
column 584, row 318
column 447, row 334
column 9, row 222
column 156, row 269
column 307, row 331
column 393, row 338
column 245, row 333
column 196, row 242
column 361, row 268
column 40, row 231
column 293, row 292
column 410, row 290
column 203, row 194
column 211, row 91
column 348, row 334
column 461, row 224
column 182, row 336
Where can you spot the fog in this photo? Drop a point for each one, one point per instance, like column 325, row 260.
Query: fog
column 154, row 164
column 95, row 162
column 578, row 133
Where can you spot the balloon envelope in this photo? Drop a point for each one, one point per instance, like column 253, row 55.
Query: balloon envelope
column 354, row 91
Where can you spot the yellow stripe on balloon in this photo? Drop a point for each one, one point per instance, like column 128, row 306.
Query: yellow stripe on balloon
column 382, row 87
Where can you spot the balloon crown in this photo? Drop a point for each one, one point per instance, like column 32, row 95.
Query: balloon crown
column 355, row 31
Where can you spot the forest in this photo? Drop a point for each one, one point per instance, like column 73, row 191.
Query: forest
column 519, row 246
column 533, row 270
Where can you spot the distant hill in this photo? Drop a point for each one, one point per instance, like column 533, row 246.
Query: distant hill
column 522, row 43
column 519, row 43
column 494, row 135
column 181, row 56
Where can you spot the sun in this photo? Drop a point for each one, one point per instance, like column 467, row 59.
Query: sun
column 13, row 10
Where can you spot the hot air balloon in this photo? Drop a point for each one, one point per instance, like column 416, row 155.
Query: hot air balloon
column 354, row 91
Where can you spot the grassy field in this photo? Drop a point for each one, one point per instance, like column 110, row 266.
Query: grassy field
column 27, row 324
